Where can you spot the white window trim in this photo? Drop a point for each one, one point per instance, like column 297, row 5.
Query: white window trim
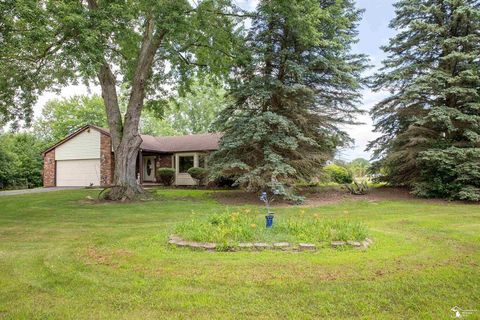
column 185, row 154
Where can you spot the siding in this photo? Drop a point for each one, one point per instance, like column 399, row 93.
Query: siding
column 86, row 145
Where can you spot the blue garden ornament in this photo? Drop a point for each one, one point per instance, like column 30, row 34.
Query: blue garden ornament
column 269, row 216
column 269, row 220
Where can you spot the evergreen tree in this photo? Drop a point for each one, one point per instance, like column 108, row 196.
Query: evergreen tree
column 431, row 120
column 295, row 86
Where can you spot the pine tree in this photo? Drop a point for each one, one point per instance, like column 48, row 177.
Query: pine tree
column 296, row 85
column 431, row 120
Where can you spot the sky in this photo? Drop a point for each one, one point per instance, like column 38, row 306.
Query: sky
column 373, row 33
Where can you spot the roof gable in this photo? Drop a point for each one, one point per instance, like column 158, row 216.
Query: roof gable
column 167, row 144
column 76, row 133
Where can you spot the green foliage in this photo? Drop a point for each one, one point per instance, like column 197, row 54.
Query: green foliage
column 21, row 160
column 45, row 44
column 227, row 229
column 432, row 115
column 296, row 83
column 166, row 176
column 60, row 117
column 196, row 111
column 6, row 165
column 338, row 174
column 358, row 188
column 199, row 174
column 455, row 174
column 359, row 167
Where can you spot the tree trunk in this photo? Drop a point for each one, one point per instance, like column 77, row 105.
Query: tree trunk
column 125, row 135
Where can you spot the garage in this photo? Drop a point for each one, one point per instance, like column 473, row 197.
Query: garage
column 75, row 173
column 83, row 158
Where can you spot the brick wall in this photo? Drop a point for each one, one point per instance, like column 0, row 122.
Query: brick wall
column 49, row 169
column 164, row 161
column 106, row 160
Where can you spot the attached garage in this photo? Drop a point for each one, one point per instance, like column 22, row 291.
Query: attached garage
column 82, row 159
column 74, row 173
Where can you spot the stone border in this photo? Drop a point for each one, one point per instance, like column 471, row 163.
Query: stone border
column 260, row 246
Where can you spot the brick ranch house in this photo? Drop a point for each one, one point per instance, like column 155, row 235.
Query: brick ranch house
column 85, row 157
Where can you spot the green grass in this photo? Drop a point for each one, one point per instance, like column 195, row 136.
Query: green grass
column 62, row 258
column 227, row 229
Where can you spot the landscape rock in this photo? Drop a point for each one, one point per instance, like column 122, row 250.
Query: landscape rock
column 181, row 243
column 281, row 245
column 336, row 244
column 306, row 246
column 209, row 246
column 365, row 244
column 174, row 237
column 261, row 245
column 196, row 245
column 245, row 245
column 355, row 244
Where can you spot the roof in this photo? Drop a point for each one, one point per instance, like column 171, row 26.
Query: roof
column 167, row 144
column 192, row 142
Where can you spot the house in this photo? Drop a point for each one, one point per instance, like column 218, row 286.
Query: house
column 86, row 157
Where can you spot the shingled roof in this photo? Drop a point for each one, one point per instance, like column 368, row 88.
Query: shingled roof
column 168, row 144
column 192, row 142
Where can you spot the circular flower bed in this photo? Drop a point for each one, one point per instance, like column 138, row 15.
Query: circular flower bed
column 244, row 229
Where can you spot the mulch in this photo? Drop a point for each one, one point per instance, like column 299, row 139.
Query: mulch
column 317, row 196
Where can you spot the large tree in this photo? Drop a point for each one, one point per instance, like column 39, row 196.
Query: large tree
column 431, row 120
column 20, row 160
column 196, row 110
column 144, row 45
column 296, row 85
column 60, row 117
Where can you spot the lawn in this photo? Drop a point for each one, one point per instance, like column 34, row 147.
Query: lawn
column 63, row 258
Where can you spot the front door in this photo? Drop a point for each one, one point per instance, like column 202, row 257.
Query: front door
column 149, row 168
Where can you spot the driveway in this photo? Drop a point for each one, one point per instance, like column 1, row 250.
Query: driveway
column 35, row 190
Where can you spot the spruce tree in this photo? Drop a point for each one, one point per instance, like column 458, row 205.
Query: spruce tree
column 294, row 88
column 431, row 120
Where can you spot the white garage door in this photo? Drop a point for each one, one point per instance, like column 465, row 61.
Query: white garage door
column 78, row 173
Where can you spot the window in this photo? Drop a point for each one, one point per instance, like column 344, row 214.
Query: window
column 185, row 163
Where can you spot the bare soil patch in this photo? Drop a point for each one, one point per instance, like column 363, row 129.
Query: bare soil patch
column 318, row 196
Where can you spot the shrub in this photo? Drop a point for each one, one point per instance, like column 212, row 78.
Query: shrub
column 227, row 229
column 166, row 176
column 451, row 173
column 199, row 174
column 358, row 188
column 338, row 174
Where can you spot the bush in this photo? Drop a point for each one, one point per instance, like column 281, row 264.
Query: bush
column 451, row 173
column 199, row 174
column 338, row 174
column 227, row 229
column 166, row 176
column 357, row 188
